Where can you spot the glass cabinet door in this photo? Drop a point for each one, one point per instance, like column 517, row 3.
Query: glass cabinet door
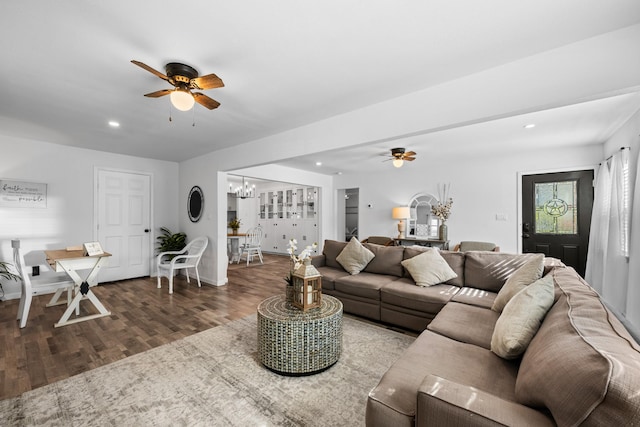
column 262, row 213
column 311, row 202
column 289, row 204
column 270, row 205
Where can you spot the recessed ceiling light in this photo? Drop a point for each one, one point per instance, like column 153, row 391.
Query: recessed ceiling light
column 530, row 126
column 338, row 173
column 318, row 163
column 114, row 124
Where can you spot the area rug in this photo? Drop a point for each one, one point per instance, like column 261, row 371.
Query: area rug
column 214, row 378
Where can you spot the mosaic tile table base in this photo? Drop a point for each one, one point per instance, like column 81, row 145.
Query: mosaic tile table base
column 294, row 342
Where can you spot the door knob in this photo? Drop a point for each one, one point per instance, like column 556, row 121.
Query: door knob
column 526, row 236
column 146, row 230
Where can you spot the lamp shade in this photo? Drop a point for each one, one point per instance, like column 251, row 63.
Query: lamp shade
column 398, row 162
column 401, row 212
column 182, row 99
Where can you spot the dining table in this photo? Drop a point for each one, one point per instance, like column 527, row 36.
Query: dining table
column 75, row 263
column 233, row 246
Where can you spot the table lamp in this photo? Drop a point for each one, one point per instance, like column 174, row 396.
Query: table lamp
column 401, row 213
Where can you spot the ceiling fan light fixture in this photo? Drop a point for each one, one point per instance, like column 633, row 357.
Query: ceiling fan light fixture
column 398, row 163
column 182, row 99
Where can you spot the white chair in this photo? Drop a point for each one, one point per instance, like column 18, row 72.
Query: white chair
column 168, row 263
column 252, row 245
column 34, row 286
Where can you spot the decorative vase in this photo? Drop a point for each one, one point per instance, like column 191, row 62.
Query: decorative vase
column 235, row 231
column 442, row 231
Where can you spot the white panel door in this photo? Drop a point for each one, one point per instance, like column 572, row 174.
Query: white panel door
column 124, row 223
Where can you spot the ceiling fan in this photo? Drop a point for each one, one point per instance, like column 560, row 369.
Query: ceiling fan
column 399, row 156
column 184, row 78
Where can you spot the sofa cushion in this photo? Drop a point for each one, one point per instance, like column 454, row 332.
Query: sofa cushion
column 465, row 323
column 474, row 296
column 394, row 399
column 521, row 318
column 331, row 250
column 404, row 293
column 366, row 285
column 454, row 259
column 354, row 257
column 580, row 332
column 386, row 259
column 429, row 268
column 528, row 273
column 489, row 270
column 329, row 276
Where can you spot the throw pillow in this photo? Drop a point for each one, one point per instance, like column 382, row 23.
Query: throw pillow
column 429, row 268
column 525, row 275
column 354, row 257
column 521, row 318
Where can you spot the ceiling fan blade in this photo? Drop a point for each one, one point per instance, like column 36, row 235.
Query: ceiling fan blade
column 409, row 159
column 410, row 153
column 151, row 70
column 205, row 101
column 210, row 81
column 158, row 93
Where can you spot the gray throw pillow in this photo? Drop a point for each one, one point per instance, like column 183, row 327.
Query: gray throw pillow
column 354, row 257
column 523, row 276
column 521, row 318
column 429, row 268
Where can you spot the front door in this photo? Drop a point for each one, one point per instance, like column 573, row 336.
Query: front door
column 124, row 223
column 556, row 215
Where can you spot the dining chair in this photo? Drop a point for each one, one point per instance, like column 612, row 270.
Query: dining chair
column 169, row 263
column 252, row 245
column 31, row 286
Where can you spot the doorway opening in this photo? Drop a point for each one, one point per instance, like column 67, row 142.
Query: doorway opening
column 351, row 203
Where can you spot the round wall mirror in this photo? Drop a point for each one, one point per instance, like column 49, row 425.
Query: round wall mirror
column 422, row 223
column 195, row 204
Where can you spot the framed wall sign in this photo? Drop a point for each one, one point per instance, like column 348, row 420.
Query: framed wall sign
column 195, row 204
column 20, row 194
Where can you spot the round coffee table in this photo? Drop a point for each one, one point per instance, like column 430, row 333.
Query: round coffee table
column 294, row 342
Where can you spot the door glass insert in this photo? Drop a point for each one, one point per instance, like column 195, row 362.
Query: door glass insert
column 556, row 207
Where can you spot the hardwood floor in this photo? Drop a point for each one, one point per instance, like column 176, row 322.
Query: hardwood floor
column 143, row 317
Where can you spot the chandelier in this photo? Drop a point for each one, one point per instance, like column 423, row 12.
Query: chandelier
column 243, row 191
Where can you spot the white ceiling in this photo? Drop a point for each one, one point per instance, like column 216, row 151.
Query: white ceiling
column 66, row 69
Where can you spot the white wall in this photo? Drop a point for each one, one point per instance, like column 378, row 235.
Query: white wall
column 481, row 187
column 68, row 218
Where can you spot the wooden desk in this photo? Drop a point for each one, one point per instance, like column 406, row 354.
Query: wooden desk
column 70, row 262
column 410, row 241
column 233, row 246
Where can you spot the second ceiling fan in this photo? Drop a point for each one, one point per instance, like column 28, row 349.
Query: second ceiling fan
column 184, row 78
column 399, row 156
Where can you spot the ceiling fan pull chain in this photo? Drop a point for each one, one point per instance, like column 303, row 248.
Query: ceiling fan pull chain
column 170, row 113
column 194, row 117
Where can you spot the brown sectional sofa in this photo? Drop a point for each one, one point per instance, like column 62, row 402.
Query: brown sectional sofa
column 581, row 368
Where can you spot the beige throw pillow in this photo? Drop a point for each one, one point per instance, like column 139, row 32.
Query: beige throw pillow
column 354, row 257
column 525, row 275
column 521, row 318
column 429, row 268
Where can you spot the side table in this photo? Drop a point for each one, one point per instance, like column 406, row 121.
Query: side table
column 294, row 342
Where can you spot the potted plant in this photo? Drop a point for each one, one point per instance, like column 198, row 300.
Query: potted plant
column 234, row 224
column 4, row 272
column 169, row 241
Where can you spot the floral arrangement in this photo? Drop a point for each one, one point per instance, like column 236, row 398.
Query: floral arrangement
column 297, row 260
column 443, row 210
column 234, row 224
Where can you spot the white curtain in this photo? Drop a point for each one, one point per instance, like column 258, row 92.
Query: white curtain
column 607, row 258
column 633, row 291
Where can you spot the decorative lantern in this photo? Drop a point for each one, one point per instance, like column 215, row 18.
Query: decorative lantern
column 307, row 286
